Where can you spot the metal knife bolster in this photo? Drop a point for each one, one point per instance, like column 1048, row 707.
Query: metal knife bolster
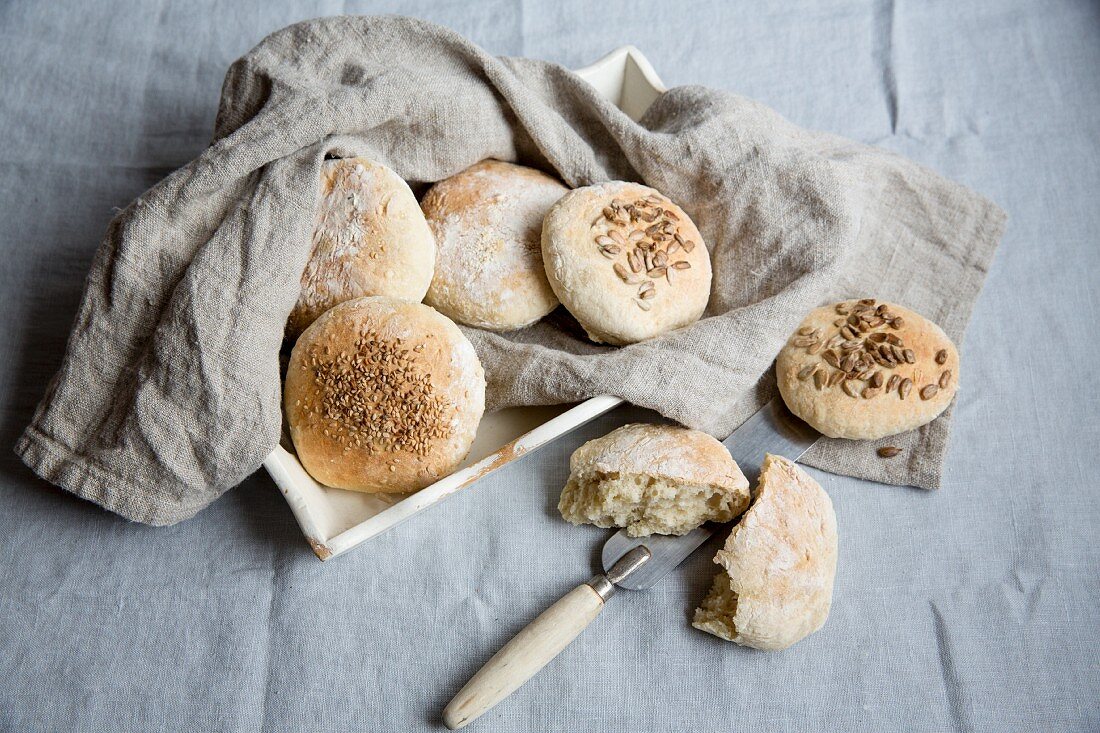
column 773, row 429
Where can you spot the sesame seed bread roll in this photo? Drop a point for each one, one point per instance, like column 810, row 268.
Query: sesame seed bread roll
column 778, row 564
column 487, row 222
column 626, row 262
column 382, row 396
column 653, row 479
column 370, row 238
column 865, row 369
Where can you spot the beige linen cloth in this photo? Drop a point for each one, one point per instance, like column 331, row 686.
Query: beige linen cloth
column 169, row 392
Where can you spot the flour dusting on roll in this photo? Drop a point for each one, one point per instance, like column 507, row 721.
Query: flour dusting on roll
column 370, row 238
column 487, row 222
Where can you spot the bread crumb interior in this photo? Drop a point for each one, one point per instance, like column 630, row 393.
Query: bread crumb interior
column 717, row 612
column 642, row 504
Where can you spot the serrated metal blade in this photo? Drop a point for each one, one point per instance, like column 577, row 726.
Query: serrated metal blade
column 773, row 429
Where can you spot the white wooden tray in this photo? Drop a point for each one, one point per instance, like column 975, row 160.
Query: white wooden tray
column 334, row 521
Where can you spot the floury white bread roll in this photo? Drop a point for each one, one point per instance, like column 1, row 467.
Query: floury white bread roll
column 382, row 396
column 866, row 369
column 487, row 222
column 653, row 479
column 370, row 238
column 626, row 262
column 778, row 565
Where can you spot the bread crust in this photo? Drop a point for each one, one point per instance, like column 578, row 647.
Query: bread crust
column 487, row 222
column 430, row 347
column 584, row 280
column 370, row 238
column 779, row 564
column 835, row 413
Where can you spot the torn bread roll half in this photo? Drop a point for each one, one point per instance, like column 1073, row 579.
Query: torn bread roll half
column 778, row 565
column 653, row 479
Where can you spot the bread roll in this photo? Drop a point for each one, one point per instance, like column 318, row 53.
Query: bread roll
column 867, row 369
column 779, row 563
column 370, row 239
column 382, row 396
column 487, row 222
column 653, row 479
column 626, row 262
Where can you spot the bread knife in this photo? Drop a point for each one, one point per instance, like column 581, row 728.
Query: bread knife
column 634, row 563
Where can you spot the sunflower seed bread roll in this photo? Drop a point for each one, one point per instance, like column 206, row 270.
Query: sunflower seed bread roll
column 865, row 369
column 487, row 222
column 653, row 479
column 626, row 262
column 778, row 564
column 370, row 238
column 382, row 396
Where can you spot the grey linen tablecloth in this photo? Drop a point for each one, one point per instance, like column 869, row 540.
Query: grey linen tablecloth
column 974, row 608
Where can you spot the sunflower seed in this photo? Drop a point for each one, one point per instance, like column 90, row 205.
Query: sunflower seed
column 850, row 345
column 673, row 246
column 910, row 356
column 671, row 215
column 636, row 236
column 604, row 240
column 941, row 356
column 877, row 379
column 835, row 378
column 619, row 239
column 634, row 262
column 608, row 253
column 848, row 363
column 838, row 322
column 806, row 330
column 898, row 322
column 867, row 301
column 831, row 358
column 877, row 338
column 869, row 392
column 688, row 245
column 842, row 309
column 888, row 451
column 608, row 212
column 814, row 347
column 621, row 272
column 642, row 304
column 945, row 379
column 806, row 372
column 892, row 339
column 660, row 259
column 656, row 272
column 848, row 333
column 892, row 384
column 905, row 387
column 682, row 265
column 882, row 308
column 928, row 391
column 820, row 379
column 802, row 341
column 849, row 389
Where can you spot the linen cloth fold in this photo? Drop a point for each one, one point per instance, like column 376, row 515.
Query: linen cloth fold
column 169, row 392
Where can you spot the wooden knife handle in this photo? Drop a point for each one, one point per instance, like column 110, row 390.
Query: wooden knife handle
column 529, row 651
